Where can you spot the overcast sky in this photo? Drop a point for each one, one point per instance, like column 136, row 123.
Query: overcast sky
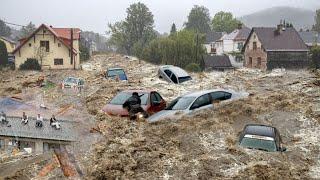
column 94, row 15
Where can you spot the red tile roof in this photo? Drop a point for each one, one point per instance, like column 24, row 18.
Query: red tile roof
column 62, row 34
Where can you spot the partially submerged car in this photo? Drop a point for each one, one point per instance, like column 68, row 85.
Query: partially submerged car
column 151, row 102
column 189, row 103
column 261, row 137
column 173, row 74
column 72, row 82
column 115, row 73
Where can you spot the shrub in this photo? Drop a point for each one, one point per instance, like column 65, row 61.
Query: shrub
column 193, row 67
column 315, row 55
column 3, row 54
column 30, row 64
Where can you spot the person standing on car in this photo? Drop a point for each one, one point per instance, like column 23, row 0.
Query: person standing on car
column 133, row 105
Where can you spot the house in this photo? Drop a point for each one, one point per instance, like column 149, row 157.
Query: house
column 310, row 38
column 210, row 43
column 217, row 62
column 10, row 44
column 39, row 140
column 234, row 41
column 54, row 48
column 275, row 47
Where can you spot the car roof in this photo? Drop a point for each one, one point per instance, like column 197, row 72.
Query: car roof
column 258, row 129
column 70, row 77
column 200, row 93
column 138, row 91
column 110, row 69
column 176, row 70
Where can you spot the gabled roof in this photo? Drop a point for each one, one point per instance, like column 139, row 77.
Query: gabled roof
column 213, row 36
column 17, row 129
column 237, row 34
column 310, row 37
column 62, row 37
column 287, row 40
column 217, row 61
column 7, row 39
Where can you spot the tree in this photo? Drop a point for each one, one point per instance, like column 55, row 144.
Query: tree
column 315, row 56
column 27, row 30
column 3, row 54
column 136, row 30
column 224, row 22
column 199, row 19
column 316, row 27
column 173, row 29
column 84, row 51
column 40, row 54
column 4, row 29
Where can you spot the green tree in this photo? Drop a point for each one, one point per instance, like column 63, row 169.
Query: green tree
column 4, row 29
column 198, row 19
column 315, row 55
column 84, row 51
column 173, row 29
column 27, row 30
column 3, row 54
column 316, row 27
column 136, row 30
column 224, row 22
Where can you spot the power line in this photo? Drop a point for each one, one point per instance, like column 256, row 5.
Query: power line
column 14, row 24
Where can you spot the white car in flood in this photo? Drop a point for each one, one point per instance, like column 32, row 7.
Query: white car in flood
column 192, row 102
column 173, row 74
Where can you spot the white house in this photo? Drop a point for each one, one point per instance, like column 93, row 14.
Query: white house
column 210, row 43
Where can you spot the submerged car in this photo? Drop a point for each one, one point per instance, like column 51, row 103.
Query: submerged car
column 114, row 73
column 72, row 82
column 173, row 74
column 261, row 137
column 189, row 103
column 151, row 102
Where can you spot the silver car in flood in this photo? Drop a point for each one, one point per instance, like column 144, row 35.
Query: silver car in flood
column 173, row 74
column 192, row 102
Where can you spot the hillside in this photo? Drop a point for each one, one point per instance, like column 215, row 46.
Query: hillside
column 301, row 18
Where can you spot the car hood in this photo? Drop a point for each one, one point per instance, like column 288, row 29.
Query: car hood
column 166, row 114
column 116, row 110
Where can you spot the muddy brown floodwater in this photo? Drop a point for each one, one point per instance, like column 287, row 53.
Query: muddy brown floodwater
column 204, row 146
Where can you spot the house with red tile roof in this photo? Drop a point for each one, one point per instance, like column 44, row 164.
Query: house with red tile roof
column 54, row 48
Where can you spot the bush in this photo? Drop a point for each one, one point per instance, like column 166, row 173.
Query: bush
column 3, row 54
column 193, row 67
column 30, row 64
column 315, row 55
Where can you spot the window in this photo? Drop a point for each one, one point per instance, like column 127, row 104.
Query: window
column 259, row 62
column 45, row 44
column 44, row 31
column 174, row 78
column 58, row 61
column 240, row 46
column 29, row 44
column 220, row 96
column 155, row 98
column 203, row 100
column 1, row 143
column 59, row 45
column 254, row 45
column 168, row 72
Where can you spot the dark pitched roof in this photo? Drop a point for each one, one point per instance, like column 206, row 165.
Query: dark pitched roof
column 310, row 37
column 287, row 40
column 243, row 33
column 17, row 129
column 7, row 39
column 213, row 36
column 217, row 61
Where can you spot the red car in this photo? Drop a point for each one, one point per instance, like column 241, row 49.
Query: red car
column 151, row 102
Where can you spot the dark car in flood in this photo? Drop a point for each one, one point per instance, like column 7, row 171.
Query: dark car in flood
column 151, row 102
column 114, row 73
column 261, row 137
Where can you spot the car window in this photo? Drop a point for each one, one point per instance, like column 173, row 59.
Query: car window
column 154, row 98
column 158, row 96
column 174, row 78
column 201, row 101
column 168, row 72
column 121, row 98
column 260, row 144
column 220, row 95
column 183, row 79
column 115, row 72
column 180, row 103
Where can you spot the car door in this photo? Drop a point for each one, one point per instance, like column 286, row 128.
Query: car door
column 156, row 103
column 202, row 102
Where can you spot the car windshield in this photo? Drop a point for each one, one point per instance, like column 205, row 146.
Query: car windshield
column 183, row 79
column 71, row 80
column 180, row 103
column 121, row 98
column 259, row 143
column 115, row 72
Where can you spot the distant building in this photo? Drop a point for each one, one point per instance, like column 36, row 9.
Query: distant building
column 269, row 47
column 10, row 44
column 39, row 140
column 234, row 41
column 53, row 45
column 310, row 38
column 217, row 62
column 210, row 43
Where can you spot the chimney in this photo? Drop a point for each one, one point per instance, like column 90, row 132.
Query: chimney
column 279, row 29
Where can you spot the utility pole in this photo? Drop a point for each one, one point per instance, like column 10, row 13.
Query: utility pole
column 197, row 45
column 71, row 51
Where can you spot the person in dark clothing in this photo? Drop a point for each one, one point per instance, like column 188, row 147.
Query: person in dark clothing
column 133, row 105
